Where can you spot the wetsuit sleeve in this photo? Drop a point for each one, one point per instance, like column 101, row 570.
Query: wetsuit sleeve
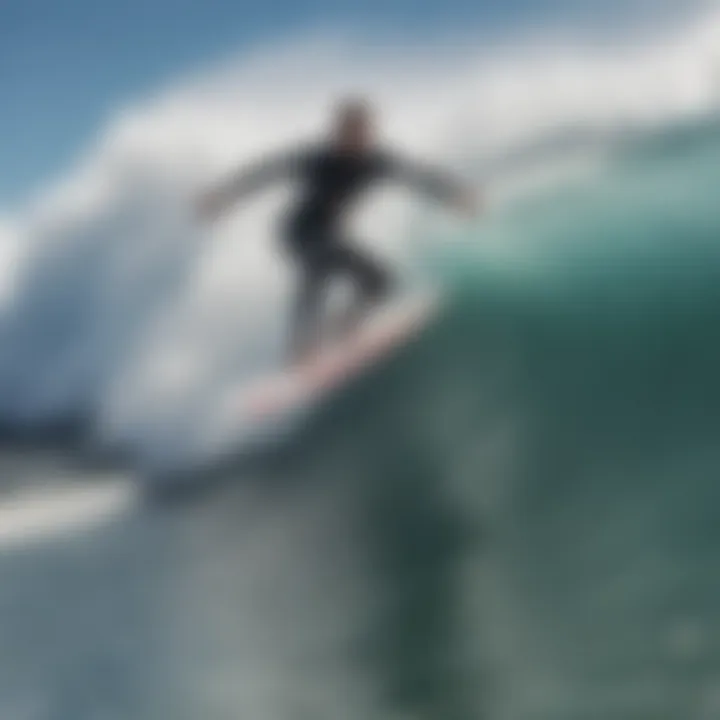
column 261, row 174
column 423, row 178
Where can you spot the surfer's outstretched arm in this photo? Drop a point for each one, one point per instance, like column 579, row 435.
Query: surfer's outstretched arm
column 433, row 182
column 248, row 180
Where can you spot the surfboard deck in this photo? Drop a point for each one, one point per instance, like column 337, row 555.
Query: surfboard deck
column 295, row 388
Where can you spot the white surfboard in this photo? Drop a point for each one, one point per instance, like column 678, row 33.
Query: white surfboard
column 288, row 391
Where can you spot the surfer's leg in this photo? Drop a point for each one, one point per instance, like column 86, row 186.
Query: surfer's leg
column 372, row 280
column 305, row 330
column 319, row 262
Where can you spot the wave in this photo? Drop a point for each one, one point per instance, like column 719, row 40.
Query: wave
column 515, row 516
column 117, row 310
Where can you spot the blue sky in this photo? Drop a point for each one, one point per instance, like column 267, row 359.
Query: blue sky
column 66, row 66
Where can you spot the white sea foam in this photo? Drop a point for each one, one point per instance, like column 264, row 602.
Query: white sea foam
column 43, row 513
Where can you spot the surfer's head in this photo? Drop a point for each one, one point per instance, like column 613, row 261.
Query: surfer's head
column 353, row 125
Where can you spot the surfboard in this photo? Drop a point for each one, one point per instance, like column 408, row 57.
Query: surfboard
column 286, row 391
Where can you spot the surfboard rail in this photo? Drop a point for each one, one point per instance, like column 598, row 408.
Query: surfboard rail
column 331, row 367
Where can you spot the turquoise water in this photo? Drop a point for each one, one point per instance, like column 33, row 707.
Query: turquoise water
column 515, row 517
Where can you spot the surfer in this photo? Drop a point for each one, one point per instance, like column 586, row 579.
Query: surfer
column 331, row 176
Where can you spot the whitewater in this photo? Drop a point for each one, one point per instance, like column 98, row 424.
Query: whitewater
column 514, row 517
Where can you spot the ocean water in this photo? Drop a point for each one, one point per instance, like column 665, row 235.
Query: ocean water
column 514, row 517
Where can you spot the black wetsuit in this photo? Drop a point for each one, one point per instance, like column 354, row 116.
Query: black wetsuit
column 330, row 181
